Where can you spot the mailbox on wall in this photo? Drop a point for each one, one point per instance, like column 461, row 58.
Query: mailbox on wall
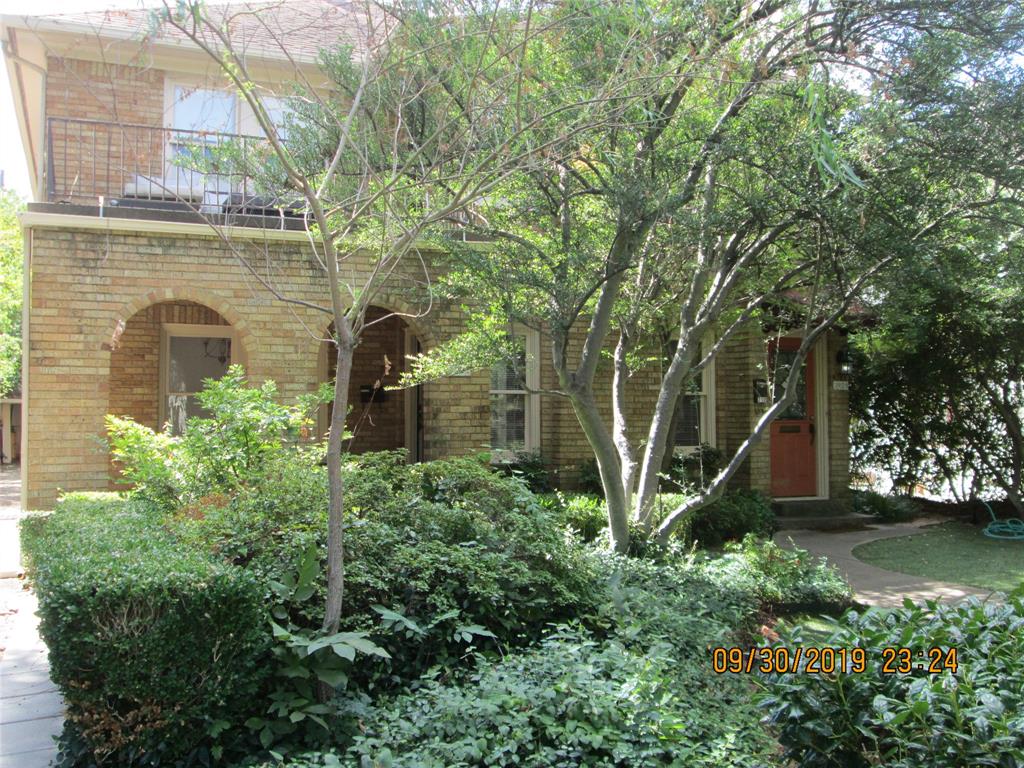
column 761, row 391
column 368, row 392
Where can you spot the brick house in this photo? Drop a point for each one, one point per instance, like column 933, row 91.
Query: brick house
column 131, row 299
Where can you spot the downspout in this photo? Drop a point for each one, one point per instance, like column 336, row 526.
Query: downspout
column 26, row 303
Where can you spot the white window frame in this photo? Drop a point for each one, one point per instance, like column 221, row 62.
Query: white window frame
column 531, row 438
column 708, row 411
column 189, row 330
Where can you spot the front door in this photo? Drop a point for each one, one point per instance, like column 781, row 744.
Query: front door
column 793, row 449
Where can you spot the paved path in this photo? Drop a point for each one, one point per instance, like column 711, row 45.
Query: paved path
column 31, row 711
column 873, row 585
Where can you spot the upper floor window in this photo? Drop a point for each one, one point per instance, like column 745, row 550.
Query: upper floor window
column 211, row 110
column 515, row 415
column 203, row 109
column 695, row 422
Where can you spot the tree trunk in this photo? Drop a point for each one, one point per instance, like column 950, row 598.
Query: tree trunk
column 657, row 436
column 609, row 467
column 336, row 484
column 620, row 426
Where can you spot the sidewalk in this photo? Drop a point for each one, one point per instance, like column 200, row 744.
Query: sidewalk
column 872, row 585
column 31, row 711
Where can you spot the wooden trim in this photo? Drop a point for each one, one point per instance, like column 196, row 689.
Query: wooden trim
column 821, row 417
column 531, row 399
column 26, row 344
column 409, row 400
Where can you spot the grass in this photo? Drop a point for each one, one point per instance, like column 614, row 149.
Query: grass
column 953, row 552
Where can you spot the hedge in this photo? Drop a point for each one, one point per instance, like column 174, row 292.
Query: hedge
column 153, row 648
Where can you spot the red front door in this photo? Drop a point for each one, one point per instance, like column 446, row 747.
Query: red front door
column 793, row 465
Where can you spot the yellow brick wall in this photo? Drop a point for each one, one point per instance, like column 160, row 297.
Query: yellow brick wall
column 88, row 159
column 87, row 286
column 96, row 292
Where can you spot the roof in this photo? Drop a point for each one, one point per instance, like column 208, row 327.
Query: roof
column 263, row 28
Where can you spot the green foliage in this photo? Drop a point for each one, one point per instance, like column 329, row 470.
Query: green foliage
column 586, row 515
column 222, row 453
column 590, row 478
column 694, row 470
column 531, row 466
column 782, row 580
column 638, row 691
column 571, row 701
column 888, row 509
column 730, row 518
column 441, row 557
column 675, row 600
column 918, row 720
column 155, row 648
column 304, row 660
column 937, row 397
column 11, row 244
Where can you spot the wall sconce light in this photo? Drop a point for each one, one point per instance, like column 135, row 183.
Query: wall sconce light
column 844, row 362
column 761, row 391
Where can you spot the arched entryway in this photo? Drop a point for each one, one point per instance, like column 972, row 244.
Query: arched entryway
column 161, row 356
column 380, row 419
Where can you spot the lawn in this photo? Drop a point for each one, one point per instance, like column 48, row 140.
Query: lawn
column 953, row 552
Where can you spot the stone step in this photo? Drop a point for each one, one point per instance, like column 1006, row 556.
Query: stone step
column 844, row 521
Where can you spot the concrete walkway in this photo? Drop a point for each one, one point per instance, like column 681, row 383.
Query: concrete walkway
column 31, row 711
column 872, row 585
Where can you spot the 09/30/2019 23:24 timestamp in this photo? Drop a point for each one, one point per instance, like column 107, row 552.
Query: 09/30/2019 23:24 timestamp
column 828, row 660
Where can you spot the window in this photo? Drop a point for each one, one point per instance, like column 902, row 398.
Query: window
column 203, row 109
column 515, row 418
column 695, row 422
column 280, row 115
column 188, row 355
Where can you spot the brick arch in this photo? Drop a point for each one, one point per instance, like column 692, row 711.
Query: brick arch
column 387, row 422
column 406, row 313
column 110, row 340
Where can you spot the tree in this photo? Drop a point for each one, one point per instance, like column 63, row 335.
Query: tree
column 937, row 399
column 428, row 110
column 717, row 194
column 10, row 292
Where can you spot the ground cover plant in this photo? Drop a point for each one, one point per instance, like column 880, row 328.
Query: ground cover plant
column 916, row 718
column 633, row 689
column 956, row 552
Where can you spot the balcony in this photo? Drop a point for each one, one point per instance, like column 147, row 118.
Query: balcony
column 142, row 171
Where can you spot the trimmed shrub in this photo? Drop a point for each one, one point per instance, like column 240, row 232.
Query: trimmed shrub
column 154, row 648
column 918, row 719
column 888, row 509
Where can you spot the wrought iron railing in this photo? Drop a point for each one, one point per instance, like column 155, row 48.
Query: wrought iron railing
column 93, row 162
